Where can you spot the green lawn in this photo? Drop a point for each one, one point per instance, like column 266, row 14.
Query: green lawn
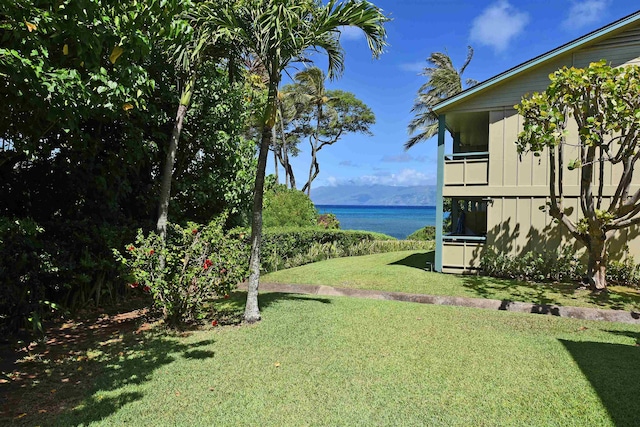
column 353, row 362
column 404, row 272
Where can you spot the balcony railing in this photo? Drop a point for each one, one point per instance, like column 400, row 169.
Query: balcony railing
column 466, row 168
column 462, row 253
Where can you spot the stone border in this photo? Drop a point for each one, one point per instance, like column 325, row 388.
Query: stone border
column 583, row 313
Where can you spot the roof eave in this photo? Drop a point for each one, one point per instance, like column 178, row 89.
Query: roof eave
column 512, row 72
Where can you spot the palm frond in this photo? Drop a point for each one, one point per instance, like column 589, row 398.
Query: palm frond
column 443, row 81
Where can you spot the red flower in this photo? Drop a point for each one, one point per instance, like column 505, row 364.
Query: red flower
column 146, row 288
column 214, row 323
column 131, row 248
column 226, row 296
column 207, row 264
column 133, row 285
column 194, row 231
column 151, row 252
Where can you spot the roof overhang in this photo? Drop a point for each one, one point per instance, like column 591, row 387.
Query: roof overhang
column 578, row 43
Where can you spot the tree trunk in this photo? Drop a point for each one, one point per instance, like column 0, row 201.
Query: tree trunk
column 313, row 173
column 597, row 265
column 167, row 173
column 252, row 311
column 292, row 178
column 307, row 186
column 275, row 155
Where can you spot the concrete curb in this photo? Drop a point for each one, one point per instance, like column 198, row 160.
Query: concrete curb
column 583, row 313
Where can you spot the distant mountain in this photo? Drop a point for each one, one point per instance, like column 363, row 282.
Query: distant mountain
column 375, row 195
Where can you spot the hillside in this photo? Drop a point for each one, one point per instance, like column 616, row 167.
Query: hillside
column 374, row 195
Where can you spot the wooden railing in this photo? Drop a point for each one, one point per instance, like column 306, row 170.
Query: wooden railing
column 466, row 168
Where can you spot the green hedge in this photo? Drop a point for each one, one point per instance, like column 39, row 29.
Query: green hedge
column 291, row 247
column 426, row 233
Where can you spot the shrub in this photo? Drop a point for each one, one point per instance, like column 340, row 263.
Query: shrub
column 535, row 266
column 195, row 265
column 285, row 207
column 625, row 272
column 426, row 233
column 328, row 221
column 291, row 247
column 23, row 262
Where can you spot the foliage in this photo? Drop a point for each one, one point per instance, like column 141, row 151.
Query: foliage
column 61, row 61
column 625, row 272
column 285, row 207
column 200, row 263
column 278, row 34
column 553, row 265
column 605, row 104
column 443, row 81
column 323, row 116
column 290, row 247
column 328, row 221
column 426, row 233
column 22, row 264
column 82, row 144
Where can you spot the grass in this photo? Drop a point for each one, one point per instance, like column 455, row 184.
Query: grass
column 405, row 272
column 342, row 361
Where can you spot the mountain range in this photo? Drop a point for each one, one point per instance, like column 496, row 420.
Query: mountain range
column 374, row 195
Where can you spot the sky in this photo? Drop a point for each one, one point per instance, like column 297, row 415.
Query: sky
column 503, row 34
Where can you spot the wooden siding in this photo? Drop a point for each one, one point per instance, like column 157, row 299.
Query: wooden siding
column 519, row 185
column 516, row 225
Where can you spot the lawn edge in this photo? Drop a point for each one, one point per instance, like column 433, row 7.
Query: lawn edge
column 583, row 313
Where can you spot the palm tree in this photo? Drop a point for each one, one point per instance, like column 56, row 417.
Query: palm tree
column 280, row 33
column 197, row 41
column 443, row 81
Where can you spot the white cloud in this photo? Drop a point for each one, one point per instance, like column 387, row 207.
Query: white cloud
column 404, row 178
column 583, row 13
column 351, row 33
column 498, row 24
column 414, row 67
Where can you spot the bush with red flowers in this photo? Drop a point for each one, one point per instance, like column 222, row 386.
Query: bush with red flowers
column 201, row 263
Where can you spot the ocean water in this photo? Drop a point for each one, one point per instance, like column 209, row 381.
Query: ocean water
column 396, row 221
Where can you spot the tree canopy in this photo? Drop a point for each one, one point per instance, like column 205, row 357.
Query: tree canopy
column 604, row 102
column 324, row 116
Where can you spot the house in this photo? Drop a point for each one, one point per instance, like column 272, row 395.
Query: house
column 496, row 196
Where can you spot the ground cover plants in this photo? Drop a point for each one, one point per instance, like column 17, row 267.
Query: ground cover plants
column 335, row 361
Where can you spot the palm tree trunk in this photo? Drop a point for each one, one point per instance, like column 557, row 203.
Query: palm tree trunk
column 167, row 173
column 252, row 310
column 275, row 155
column 285, row 157
column 307, row 186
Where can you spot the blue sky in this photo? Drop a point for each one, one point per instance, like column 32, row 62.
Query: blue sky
column 503, row 33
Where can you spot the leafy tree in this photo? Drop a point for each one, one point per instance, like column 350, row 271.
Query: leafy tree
column 605, row 104
column 443, row 81
column 324, row 116
column 279, row 33
column 195, row 40
column 83, row 134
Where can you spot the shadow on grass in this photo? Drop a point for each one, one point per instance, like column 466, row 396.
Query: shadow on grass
column 545, row 294
column 417, row 260
column 612, row 371
column 131, row 362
